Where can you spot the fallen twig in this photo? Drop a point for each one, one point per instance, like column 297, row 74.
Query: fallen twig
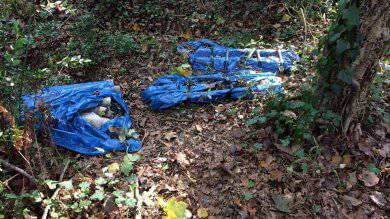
column 63, row 171
column 47, row 208
column 19, row 170
column 138, row 211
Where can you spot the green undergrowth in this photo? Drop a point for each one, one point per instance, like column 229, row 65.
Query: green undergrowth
column 294, row 116
column 299, row 115
column 49, row 42
column 116, row 182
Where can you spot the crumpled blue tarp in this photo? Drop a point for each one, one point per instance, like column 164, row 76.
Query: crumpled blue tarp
column 220, row 73
column 67, row 103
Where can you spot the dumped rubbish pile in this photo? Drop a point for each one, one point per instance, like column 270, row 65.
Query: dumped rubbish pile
column 219, row 73
column 88, row 118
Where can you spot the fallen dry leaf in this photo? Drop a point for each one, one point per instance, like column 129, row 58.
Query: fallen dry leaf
column 276, row 175
column 136, row 27
column 351, row 180
column 384, row 151
column 113, row 168
column 170, row 135
column 335, row 159
column 244, row 181
column 282, row 202
column 378, row 198
column 277, row 25
column 238, row 133
column 346, row 159
column 285, row 18
column 252, row 211
column 381, row 132
column 186, row 35
column 6, row 119
column 267, row 162
column 352, row 200
column 182, row 159
column 202, row 213
column 198, row 128
column 363, row 147
column 385, row 168
column 369, row 179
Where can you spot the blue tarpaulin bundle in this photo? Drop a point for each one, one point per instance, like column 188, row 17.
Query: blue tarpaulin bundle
column 221, row 73
column 67, row 104
column 206, row 55
column 171, row 90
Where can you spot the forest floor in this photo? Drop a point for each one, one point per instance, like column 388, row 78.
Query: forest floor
column 206, row 156
column 202, row 154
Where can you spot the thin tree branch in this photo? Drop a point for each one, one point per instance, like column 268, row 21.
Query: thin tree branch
column 47, row 208
column 19, row 170
column 138, row 211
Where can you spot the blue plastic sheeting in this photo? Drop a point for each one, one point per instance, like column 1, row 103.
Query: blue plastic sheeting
column 220, row 73
column 171, row 90
column 69, row 130
column 206, row 55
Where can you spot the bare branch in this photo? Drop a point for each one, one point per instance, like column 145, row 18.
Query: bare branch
column 19, row 170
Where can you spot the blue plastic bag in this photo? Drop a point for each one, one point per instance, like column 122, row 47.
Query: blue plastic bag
column 67, row 103
column 220, row 73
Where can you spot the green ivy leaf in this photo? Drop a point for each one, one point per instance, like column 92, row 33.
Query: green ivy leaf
column 122, row 138
column 295, row 104
column 52, row 184
column 345, row 76
column 261, row 119
column 373, row 168
column 20, row 43
column 130, row 202
column 100, row 181
column 132, row 157
column 342, row 46
column 98, row 195
column 336, row 88
column 67, row 184
column 351, row 15
column 251, row 183
column 334, row 36
column 285, row 142
column 118, row 193
column 304, row 167
column 131, row 179
column 386, row 118
column 258, row 146
column 316, row 209
column 126, row 167
column 84, row 186
column 250, row 122
column 128, row 163
column 300, row 153
column 256, row 120
column 248, row 196
column 85, row 203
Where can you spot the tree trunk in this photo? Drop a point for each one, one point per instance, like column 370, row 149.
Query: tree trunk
column 347, row 71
